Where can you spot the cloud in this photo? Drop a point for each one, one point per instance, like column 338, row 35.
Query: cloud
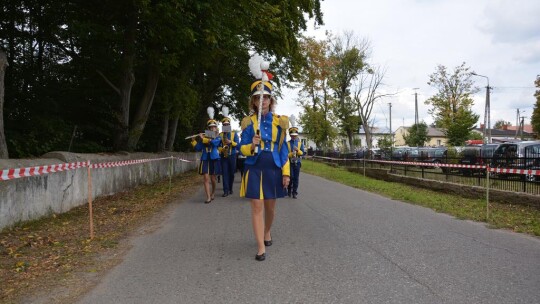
column 510, row 21
column 530, row 53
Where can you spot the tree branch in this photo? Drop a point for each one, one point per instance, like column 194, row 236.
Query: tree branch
column 109, row 82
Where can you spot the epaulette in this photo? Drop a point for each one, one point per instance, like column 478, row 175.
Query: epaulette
column 246, row 121
column 283, row 122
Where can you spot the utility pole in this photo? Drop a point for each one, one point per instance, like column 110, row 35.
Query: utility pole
column 392, row 134
column 487, row 123
column 415, row 106
column 521, row 125
column 517, row 124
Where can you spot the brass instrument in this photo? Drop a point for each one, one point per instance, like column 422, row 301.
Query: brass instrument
column 294, row 158
column 225, row 151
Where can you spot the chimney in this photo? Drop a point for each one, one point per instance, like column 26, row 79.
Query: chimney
column 505, row 127
column 481, row 126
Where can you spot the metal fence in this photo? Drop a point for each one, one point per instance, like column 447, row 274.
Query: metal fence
column 521, row 176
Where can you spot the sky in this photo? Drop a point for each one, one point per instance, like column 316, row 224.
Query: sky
column 499, row 39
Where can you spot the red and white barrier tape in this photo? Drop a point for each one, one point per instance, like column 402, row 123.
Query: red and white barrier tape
column 40, row 170
column 496, row 170
column 8, row 174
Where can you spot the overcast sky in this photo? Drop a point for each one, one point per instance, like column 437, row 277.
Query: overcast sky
column 496, row 38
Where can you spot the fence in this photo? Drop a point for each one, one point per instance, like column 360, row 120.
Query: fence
column 487, row 178
column 44, row 186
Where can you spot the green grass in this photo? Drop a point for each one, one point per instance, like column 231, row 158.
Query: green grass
column 515, row 217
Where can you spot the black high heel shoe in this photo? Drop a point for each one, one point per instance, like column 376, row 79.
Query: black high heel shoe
column 260, row 257
column 268, row 243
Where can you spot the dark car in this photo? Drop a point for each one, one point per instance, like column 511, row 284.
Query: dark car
column 432, row 155
column 401, row 154
column 476, row 155
column 518, row 155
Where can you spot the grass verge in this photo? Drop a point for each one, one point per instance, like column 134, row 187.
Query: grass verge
column 517, row 218
column 42, row 255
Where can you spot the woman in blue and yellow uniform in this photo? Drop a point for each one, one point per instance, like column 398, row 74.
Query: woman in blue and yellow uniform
column 296, row 149
column 266, row 172
column 210, row 165
column 227, row 154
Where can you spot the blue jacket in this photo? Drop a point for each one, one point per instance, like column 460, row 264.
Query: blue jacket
column 272, row 134
column 209, row 147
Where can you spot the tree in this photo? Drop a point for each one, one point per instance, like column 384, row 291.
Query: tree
column 128, row 73
column 535, row 118
column 317, row 127
column 418, row 135
column 348, row 56
column 313, row 77
column 3, row 146
column 451, row 106
column 501, row 123
column 366, row 93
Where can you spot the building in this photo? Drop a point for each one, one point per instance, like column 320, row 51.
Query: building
column 436, row 137
column 376, row 135
column 507, row 134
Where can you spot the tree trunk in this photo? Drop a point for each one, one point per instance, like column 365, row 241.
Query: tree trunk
column 350, row 136
column 141, row 116
column 121, row 141
column 164, row 132
column 173, row 125
column 3, row 146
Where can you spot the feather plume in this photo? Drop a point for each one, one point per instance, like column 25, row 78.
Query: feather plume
column 210, row 112
column 225, row 111
column 292, row 119
column 255, row 65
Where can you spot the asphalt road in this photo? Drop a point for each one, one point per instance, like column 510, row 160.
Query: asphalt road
column 334, row 244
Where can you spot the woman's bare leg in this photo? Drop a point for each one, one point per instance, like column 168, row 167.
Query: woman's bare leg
column 206, row 183
column 213, row 178
column 257, row 219
column 269, row 211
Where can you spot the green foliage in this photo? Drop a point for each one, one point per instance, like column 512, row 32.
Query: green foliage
column 385, row 142
column 124, row 68
column 451, row 106
column 475, row 135
column 417, row 136
column 317, row 128
column 535, row 118
column 499, row 124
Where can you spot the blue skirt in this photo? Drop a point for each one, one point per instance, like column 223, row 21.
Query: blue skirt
column 263, row 180
column 212, row 167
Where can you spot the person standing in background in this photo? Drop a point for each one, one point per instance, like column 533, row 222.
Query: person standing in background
column 296, row 150
column 229, row 141
column 210, row 165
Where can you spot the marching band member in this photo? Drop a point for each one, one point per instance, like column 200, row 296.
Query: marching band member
column 229, row 140
column 266, row 172
column 296, row 149
column 210, row 165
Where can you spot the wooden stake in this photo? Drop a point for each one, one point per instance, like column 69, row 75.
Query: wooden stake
column 90, row 210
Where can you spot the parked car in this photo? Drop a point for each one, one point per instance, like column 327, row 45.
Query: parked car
column 476, row 155
column 432, row 155
column 518, row 155
column 401, row 153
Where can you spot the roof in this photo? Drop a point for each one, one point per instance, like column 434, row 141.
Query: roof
column 504, row 133
column 376, row 130
column 432, row 132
